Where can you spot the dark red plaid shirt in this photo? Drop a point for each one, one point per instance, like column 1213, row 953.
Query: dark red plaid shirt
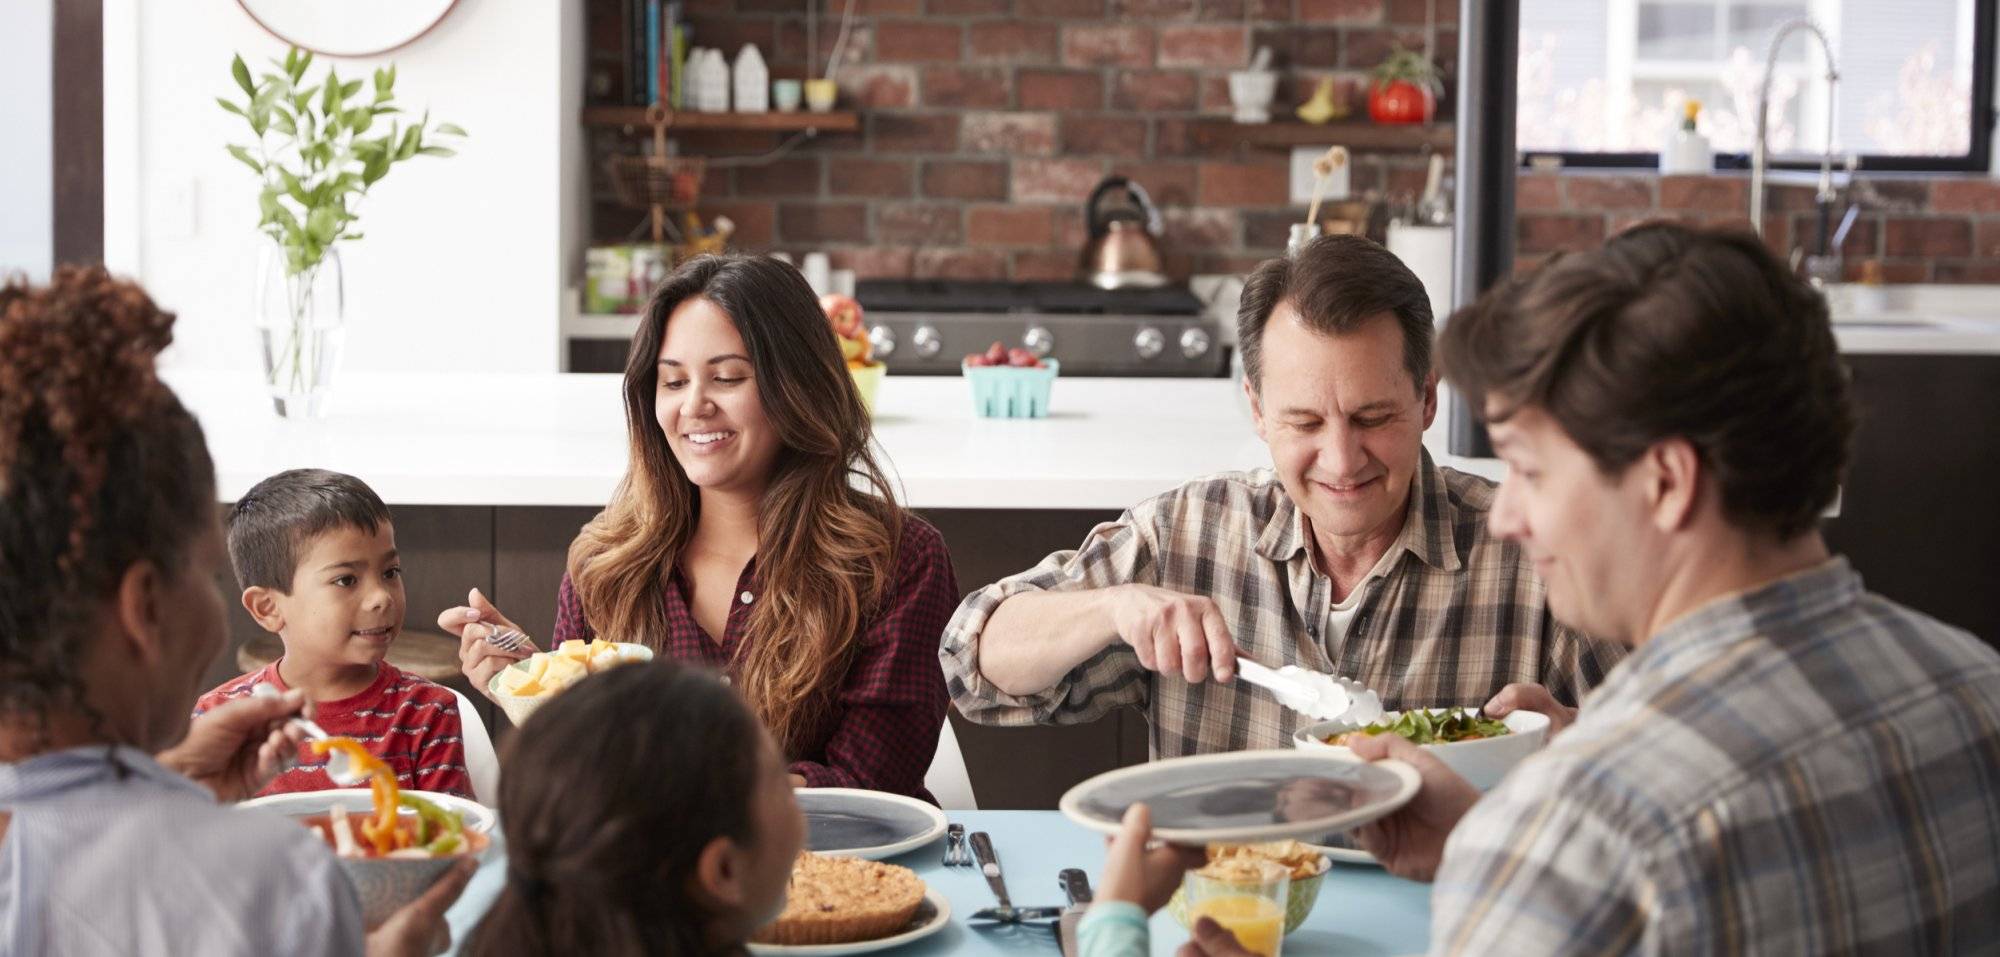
column 883, row 728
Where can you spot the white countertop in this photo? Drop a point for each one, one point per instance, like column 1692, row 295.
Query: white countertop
column 461, row 439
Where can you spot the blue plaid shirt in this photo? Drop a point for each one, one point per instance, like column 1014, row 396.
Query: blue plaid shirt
column 1804, row 768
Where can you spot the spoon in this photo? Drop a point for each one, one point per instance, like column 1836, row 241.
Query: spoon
column 339, row 766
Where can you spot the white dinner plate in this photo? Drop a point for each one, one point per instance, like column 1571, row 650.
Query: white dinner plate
column 871, row 825
column 1244, row 796
column 1345, row 855
column 932, row 915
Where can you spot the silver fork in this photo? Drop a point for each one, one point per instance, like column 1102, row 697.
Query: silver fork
column 509, row 640
column 955, row 854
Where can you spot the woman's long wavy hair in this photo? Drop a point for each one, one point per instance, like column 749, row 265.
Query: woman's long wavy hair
column 600, row 855
column 826, row 548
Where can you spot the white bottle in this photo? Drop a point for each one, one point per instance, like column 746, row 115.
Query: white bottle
column 753, row 81
column 1686, row 152
column 715, row 83
column 691, row 79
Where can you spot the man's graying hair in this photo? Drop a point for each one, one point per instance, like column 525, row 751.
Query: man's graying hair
column 1337, row 283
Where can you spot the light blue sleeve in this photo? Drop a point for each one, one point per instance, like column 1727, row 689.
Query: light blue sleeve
column 1113, row 929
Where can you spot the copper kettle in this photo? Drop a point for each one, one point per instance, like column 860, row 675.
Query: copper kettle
column 1123, row 251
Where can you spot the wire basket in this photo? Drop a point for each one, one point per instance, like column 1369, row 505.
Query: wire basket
column 670, row 182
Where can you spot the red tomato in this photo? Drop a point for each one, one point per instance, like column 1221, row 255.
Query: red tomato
column 844, row 313
column 1022, row 358
column 1400, row 102
column 996, row 355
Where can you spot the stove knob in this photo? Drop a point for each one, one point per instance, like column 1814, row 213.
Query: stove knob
column 1150, row 342
column 882, row 340
column 1194, row 343
column 1040, row 341
column 926, row 341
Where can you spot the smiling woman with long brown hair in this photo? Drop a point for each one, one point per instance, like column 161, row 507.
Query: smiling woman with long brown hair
column 755, row 532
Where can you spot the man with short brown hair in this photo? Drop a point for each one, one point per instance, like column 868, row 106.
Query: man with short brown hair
column 1787, row 764
column 1354, row 555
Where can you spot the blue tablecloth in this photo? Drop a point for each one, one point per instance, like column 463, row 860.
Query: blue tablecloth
column 1362, row 910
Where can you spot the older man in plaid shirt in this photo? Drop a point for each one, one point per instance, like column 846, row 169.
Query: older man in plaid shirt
column 1787, row 764
column 1355, row 554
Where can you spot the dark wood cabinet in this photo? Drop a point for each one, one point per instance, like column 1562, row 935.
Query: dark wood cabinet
column 1920, row 509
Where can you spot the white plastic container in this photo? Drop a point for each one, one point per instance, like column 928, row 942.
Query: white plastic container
column 753, row 81
column 712, row 84
column 1686, row 152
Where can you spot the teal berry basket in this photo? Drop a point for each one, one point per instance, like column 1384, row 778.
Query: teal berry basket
column 1011, row 392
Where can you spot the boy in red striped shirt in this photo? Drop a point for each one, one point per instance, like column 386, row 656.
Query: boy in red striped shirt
column 315, row 553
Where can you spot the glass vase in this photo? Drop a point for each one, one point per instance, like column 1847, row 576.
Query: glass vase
column 300, row 329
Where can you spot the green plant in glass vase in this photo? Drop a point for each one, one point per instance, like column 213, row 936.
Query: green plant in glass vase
column 319, row 147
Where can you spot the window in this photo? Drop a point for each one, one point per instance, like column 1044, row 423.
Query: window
column 1603, row 82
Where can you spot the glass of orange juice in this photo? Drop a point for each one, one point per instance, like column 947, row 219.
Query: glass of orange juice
column 1249, row 903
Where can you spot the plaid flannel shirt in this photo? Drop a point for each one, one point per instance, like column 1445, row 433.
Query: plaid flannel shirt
column 889, row 709
column 1453, row 615
column 1801, row 769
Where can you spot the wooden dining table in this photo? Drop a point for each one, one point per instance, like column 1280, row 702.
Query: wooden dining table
column 1362, row 911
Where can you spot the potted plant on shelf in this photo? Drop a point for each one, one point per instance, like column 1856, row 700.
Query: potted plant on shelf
column 1404, row 89
column 315, row 160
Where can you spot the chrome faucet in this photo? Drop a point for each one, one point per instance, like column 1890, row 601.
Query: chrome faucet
column 1758, row 160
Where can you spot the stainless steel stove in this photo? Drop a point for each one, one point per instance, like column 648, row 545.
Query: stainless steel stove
column 929, row 326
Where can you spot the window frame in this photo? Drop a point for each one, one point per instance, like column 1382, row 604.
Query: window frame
column 1978, row 157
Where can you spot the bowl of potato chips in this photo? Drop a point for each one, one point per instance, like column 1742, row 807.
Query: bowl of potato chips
column 1251, row 862
column 526, row 685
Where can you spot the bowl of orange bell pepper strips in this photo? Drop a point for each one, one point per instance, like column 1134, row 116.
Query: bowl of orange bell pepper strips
column 393, row 843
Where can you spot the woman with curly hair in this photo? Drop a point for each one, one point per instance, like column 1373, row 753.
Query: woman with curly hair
column 111, row 838
column 755, row 533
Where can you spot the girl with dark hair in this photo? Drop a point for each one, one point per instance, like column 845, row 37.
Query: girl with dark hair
column 111, row 840
column 754, row 532
column 603, row 860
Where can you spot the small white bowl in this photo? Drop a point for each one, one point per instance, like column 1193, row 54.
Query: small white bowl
column 385, row 885
column 1483, row 762
column 517, row 708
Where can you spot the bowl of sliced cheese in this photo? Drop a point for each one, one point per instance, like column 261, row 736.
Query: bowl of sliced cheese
column 526, row 685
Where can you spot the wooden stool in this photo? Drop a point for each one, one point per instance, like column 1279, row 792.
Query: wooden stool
column 426, row 654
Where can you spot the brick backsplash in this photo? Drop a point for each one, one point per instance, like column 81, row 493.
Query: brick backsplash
column 985, row 124
column 1922, row 229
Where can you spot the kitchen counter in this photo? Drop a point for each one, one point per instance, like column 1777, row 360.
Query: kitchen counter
column 507, row 440
column 1898, row 333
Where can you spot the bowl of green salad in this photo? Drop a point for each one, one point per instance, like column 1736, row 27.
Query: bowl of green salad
column 1482, row 750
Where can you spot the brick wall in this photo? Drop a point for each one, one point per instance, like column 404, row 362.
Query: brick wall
column 985, row 124
column 1935, row 229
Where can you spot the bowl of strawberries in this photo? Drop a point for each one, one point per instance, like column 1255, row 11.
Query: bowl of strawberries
column 1010, row 383
column 844, row 314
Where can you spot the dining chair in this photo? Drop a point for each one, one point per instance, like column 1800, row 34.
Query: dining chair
column 947, row 779
column 482, row 763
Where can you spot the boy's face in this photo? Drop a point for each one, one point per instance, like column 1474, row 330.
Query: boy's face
column 346, row 601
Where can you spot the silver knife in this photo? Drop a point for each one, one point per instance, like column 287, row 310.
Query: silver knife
column 1076, row 886
column 989, row 865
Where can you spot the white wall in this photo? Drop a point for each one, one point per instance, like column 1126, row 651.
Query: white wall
column 463, row 259
column 27, row 182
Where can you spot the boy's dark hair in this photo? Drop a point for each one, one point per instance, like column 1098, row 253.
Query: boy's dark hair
column 1669, row 331
column 1337, row 283
column 270, row 525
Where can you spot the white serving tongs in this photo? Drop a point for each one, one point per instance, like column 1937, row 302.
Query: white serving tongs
column 1322, row 697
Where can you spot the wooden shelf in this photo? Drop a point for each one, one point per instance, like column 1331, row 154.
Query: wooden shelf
column 1357, row 135
column 635, row 118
